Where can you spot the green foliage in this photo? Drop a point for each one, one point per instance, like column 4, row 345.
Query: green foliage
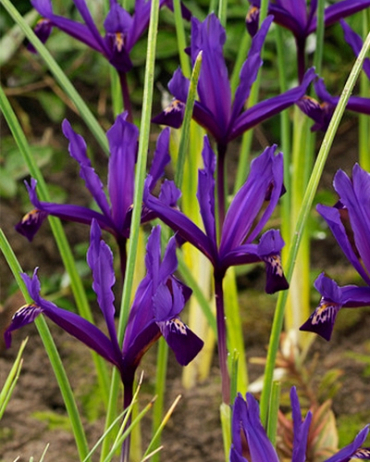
column 13, row 168
column 53, row 420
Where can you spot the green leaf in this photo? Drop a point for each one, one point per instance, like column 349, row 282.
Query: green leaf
column 52, row 105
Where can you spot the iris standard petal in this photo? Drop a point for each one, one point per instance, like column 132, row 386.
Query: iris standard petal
column 355, row 195
column 248, row 201
column 300, row 428
column 213, row 86
column 251, row 66
column 206, row 190
column 333, row 219
column 161, row 157
column 100, row 260
column 77, row 149
column 260, row 446
column 123, row 139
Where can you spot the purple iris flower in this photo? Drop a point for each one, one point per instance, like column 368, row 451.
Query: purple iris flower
column 114, row 215
column 243, row 222
column 122, row 31
column 158, row 302
column 223, row 118
column 241, row 226
column 321, row 113
column 299, row 16
column 349, row 221
column 246, row 425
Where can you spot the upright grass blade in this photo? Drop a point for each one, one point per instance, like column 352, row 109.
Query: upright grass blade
column 11, row 380
column 225, row 417
column 273, row 414
column 185, row 132
column 52, row 352
column 138, row 197
column 222, row 12
column 59, row 235
column 364, row 120
column 301, row 222
column 157, row 434
column 181, row 40
column 235, row 339
column 59, row 75
column 160, row 385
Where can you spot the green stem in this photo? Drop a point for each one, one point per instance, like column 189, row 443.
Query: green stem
column 185, row 132
column 160, row 388
column 364, row 120
column 181, row 40
column 52, row 352
column 301, row 222
column 136, row 214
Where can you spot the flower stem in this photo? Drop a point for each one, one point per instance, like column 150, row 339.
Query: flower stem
column 126, row 96
column 127, row 399
column 221, row 151
column 221, row 330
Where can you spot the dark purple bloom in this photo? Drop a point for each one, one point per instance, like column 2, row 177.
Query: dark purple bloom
column 159, row 300
column 321, row 113
column 353, row 209
column 240, row 227
column 114, row 215
column 299, row 16
column 223, row 118
column 122, row 30
column 246, row 424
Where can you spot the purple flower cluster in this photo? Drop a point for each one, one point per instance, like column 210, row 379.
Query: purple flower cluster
column 155, row 311
column 247, row 427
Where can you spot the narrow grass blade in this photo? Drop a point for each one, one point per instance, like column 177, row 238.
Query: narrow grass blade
column 12, row 379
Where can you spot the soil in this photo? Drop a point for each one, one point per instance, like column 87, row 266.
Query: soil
column 36, row 416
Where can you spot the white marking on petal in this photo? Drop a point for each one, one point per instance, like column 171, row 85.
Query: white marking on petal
column 326, row 312
column 275, row 263
column 175, row 325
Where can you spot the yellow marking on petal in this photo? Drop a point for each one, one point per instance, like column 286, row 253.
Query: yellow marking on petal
column 178, row 325
column 325, row 312
column 30, row 216
column 119, row 42
column 253, row 11
column 174, row 106
column 24, row 308
column 275, row 262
